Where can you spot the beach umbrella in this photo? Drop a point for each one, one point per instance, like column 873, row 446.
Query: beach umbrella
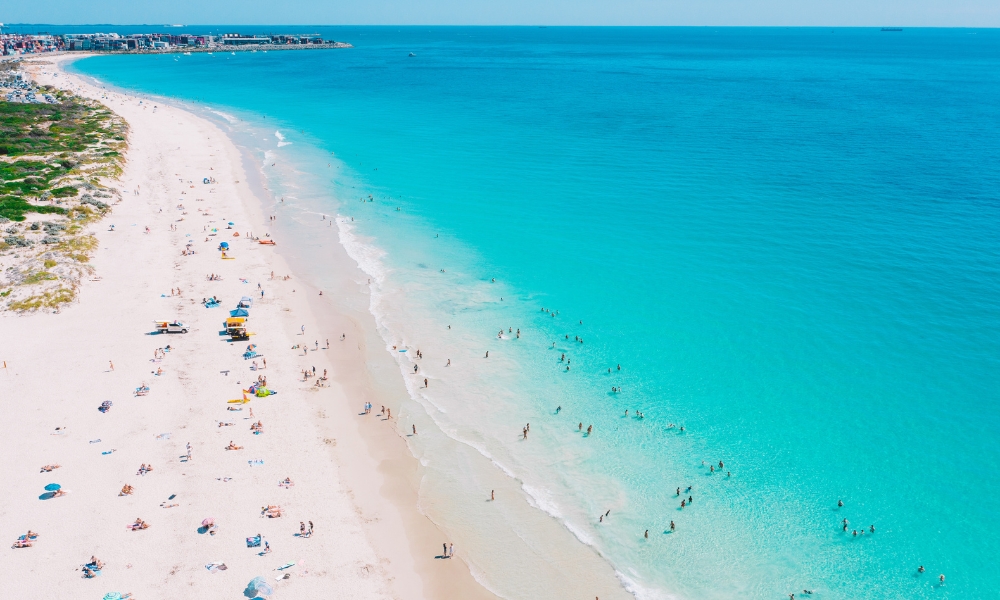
column 224, row 245
column 52, row 487
column 239, row 312
column 231, row 223
column 113, row 596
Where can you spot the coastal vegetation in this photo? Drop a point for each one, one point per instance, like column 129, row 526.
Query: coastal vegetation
column 58, row 161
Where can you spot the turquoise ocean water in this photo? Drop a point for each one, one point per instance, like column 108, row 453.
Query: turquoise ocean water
column 789, row 239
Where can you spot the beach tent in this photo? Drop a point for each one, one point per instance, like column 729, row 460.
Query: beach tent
column 239, row 312
column 246, row 302
column 258, row 587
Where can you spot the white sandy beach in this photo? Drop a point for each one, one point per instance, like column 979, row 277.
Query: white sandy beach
column 358, row 491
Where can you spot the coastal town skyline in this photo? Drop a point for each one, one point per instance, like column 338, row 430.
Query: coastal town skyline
column 851, row 13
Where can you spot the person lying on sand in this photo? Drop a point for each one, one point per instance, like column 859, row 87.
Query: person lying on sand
column 139, row 524
column 95, row 563
column 271, row 511
column 233, row 446
column 58, row 493
column 144, row 469
column 126, row 490
column 286, row 483
column 49, row 468
column 224, row 424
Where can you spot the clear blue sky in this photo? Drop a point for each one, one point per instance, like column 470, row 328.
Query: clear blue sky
column 927, row 13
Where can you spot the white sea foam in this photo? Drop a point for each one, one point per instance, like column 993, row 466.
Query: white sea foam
column 640, row 592
column 281, row 139
column 226, row 116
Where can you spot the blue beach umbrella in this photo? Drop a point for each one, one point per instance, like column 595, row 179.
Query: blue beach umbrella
column 224, row 245
column 52, row 487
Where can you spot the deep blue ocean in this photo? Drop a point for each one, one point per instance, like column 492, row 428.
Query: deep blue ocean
column 788, row 239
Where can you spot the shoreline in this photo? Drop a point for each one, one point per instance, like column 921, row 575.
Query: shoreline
column 383, row 507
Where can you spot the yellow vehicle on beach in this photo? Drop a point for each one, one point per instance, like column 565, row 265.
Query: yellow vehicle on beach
column 236, row 327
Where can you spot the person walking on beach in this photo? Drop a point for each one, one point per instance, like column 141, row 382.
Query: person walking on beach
column 672, row 526
column 414, row 430
column 303, row 330
column 493, row 496
column 112, row 365
column 310, row 528
column 451, row 554
column 444, row 550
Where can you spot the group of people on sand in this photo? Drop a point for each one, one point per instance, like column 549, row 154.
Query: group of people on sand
column 303, row 532
column 214, row 277
column 127, row 490
column 138, row 524
column 91, row 569
column 257, row 427
column 143, row 469
column 26, row 540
